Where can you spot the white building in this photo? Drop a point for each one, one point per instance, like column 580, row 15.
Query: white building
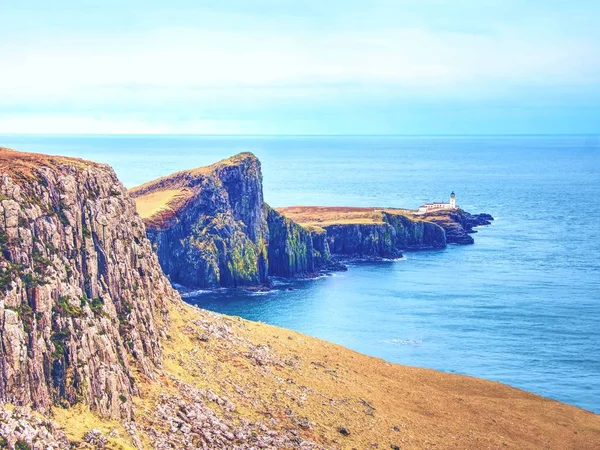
column 437, row 206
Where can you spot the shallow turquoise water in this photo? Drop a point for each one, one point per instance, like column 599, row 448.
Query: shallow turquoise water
column 521, row 306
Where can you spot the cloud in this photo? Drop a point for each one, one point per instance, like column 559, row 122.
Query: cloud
column 237, row 68
column 190, row 59
column 52, row 123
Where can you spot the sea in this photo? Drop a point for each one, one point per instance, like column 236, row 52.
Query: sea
column 521, row 306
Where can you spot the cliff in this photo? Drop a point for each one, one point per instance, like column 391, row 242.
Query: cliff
column 368, row 232
column 297, row 251
column 290, row 247
column 208, row 225
column 83, row 298
column 98, row 343
column 211, row 228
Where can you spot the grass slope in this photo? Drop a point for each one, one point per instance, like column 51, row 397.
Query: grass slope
column 318, row 387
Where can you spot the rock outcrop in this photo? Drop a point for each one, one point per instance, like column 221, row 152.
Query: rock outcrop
column 458, row 224
column 386, row 239
column 348, row 232
column 208, row 226
column 290, row 248
column 22, row 429
column 211, row 228
column 83, row 298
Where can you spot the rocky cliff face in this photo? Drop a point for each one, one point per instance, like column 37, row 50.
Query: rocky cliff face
column 363, row 240
column 211, row 228
column 290, row 249
column 386, row 239
column 208, row 226
column 82, row 302
column 353, row 232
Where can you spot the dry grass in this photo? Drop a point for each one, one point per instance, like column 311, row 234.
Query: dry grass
column 155, row 202
column 378, row 402
column 322, row 216
column 79, row 419
column 24, row 164
column 326, row 215
column 328, row 386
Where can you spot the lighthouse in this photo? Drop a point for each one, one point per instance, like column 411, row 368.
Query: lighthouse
column 437, row 206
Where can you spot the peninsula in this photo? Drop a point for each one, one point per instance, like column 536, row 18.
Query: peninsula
column 211, row 227
column 98, row 351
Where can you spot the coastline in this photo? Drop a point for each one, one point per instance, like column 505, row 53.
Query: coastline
column 82, row 271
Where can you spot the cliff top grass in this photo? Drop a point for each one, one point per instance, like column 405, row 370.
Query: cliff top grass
column 322, row 216
column 182, row 178
column 159, row 205
column 23, row 163
column 328, row 387
column 439, row 217
column 158, row 201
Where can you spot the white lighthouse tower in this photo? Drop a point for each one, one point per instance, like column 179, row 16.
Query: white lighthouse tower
column 437, row 206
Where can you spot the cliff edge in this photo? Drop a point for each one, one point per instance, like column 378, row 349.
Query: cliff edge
column 210, row 228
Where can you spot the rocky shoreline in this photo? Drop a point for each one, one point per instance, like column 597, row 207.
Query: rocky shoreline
column 459, row 225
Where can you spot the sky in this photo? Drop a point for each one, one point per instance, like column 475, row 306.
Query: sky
column 300, row 67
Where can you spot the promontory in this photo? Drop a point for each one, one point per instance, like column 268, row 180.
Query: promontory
column 211, row 227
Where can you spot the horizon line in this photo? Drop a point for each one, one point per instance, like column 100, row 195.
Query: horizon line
column 596, row 134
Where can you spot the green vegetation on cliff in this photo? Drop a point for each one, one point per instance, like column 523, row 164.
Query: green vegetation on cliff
column 208, row 227
column 290, row 250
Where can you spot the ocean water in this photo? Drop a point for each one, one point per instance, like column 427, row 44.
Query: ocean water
column 521, row 306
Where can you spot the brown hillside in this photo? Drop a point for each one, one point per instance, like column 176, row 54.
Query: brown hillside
column 289, row 381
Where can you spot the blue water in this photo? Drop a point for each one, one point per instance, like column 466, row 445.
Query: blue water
column 521, row 306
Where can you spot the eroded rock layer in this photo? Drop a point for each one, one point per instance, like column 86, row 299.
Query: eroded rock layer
column 83, row 297
column 290, row 248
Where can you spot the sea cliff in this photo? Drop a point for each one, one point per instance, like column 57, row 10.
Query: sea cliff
column 385, row 232
column 386, row 238
column 290, row 249
column 83, row 298
column 98, row 351
column 208, row 226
